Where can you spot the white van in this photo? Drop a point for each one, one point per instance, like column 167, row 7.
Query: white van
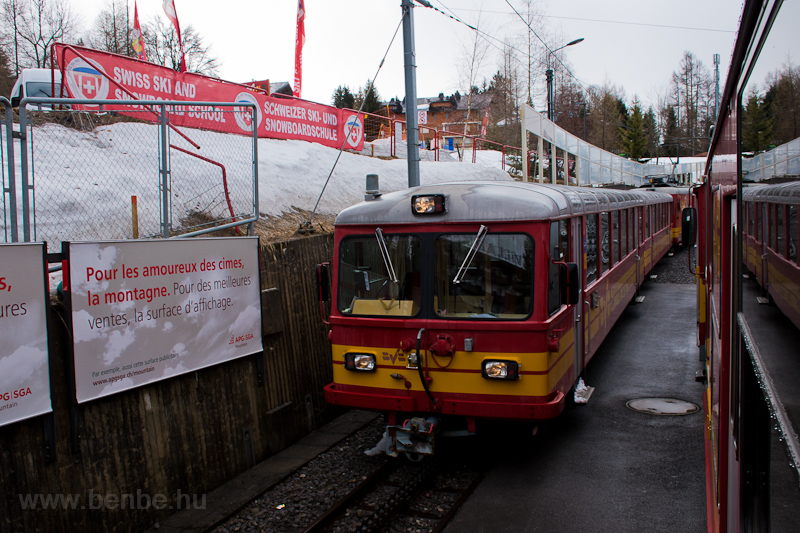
column 36, row 83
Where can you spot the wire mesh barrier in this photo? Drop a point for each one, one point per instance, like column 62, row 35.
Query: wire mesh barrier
column 94, row 174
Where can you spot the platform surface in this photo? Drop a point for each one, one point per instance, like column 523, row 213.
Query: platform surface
column 603, row 466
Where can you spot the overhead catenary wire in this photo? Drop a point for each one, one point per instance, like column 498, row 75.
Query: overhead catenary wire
column 307, row 225
column 490, row 38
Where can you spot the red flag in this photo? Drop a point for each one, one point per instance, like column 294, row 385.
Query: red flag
column 172, row 15
column 300, row 40
column 138, row 41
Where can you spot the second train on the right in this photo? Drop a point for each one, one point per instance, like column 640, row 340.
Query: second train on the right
column 745, row 220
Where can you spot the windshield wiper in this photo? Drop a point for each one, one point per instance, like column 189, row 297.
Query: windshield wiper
column 476, row 244
column 387, row 261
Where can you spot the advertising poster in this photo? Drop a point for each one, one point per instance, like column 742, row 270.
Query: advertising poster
column 143, row 311
column 24, row 370
column 103, row 75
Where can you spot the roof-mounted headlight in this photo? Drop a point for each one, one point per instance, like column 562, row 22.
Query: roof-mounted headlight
column 496, row 369
column 363, row 362
column 428, row 204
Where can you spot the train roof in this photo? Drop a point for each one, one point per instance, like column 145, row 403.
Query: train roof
column 496, row 201
column 778, row 193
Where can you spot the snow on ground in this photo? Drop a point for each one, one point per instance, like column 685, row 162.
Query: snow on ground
column 84, row 180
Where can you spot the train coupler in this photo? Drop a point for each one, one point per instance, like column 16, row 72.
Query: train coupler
column 415, row 436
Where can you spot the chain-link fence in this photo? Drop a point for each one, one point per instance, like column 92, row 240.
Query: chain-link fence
column 86, row 173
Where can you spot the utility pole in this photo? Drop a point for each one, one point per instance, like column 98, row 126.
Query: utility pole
column 716, row 86
column 412, row 125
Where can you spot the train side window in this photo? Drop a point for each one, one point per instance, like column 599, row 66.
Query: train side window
column 631, row 237
column 591, row 248
column 771, row 226
column 605, row 248
column 553, row 285
column 615, row 232
column 758, row 217
column 780, row 231
column 565, row 241
column 792, row 218
column 646, row 210
column 623, row 231
column 750, row 218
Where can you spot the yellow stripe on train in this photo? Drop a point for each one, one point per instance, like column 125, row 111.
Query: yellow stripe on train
column 540, row 372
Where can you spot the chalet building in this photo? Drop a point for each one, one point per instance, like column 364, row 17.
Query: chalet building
column 447, row 113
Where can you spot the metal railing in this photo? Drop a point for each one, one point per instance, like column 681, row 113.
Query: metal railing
column 111, row 169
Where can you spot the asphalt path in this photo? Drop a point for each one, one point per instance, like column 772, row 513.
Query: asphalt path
column 603, row 466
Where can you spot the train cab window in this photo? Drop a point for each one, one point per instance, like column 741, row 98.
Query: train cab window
column 605, row 248
column 591, row 248
column 780, row 231
column 371, row 285
column 488, row 278
column 615, row 237
column 792, row 233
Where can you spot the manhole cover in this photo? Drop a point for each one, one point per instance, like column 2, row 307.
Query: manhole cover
column 662, row 406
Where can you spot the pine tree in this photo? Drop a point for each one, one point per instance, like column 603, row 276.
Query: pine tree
column 635, row 140
column 343, row 98
column 756, row 125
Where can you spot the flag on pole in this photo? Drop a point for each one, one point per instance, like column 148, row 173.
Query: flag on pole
column 298, row 48
column 137, row 40
column 172, row 15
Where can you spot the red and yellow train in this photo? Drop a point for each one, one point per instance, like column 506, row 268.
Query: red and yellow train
column 748, row 347
column 459, row 302
column 770, row 243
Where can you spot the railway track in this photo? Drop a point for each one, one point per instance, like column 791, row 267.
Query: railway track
column 345, row 490
column 402, row 496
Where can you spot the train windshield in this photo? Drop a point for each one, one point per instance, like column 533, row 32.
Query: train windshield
column 380, row 275
column 497, row 282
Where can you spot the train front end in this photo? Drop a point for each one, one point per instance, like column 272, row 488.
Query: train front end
column 437, row 317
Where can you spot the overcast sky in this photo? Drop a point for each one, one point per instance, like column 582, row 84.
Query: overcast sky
column 632, row 44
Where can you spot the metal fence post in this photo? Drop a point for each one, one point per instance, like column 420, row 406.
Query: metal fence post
column 166, row 219
column 251, row 228
column 11, row 190
column 23, row 165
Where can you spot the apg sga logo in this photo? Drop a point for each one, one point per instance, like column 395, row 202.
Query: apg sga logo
column 86, row 81
column 243, row 115
column 354, row 129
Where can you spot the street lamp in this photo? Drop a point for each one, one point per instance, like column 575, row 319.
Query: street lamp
column 549, row 73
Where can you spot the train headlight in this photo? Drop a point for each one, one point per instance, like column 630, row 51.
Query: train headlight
column 494, row 369
column 428, row 204
column 363, row 362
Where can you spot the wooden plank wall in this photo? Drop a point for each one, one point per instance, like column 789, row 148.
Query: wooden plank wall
column 178, row 438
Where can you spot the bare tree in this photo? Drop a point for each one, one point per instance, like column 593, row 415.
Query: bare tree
column 535, row 51
column 691, row 89
column 161, row 47
column 111, row 30
column 33, row 26
column 474, row 57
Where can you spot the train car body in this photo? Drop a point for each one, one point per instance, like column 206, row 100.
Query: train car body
column 467, row 301
column 681, row 199
column 770, row 243
column 749, row 351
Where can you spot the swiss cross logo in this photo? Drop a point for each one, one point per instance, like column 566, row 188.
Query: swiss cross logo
column 86, row 81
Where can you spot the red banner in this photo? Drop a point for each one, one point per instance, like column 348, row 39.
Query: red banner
column 300, row 40
column 172, row 15
column 95, row 75
column 137, row 41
